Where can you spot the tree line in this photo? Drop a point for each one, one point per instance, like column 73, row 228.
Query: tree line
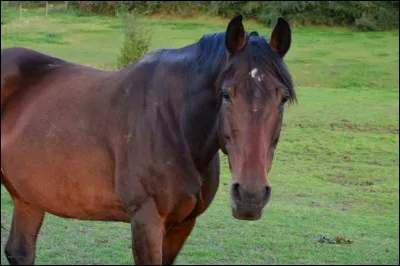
column 361, row 15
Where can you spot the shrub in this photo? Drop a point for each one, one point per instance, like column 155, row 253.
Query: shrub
column 3, row 18
column 96, row 7
column 361, row 14
column 228, row 9
column 386, row 20
column 137, row 38
column 365, row 24
column 8, row 12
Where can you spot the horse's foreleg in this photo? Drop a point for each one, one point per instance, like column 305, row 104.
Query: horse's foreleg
column 174, row 240
column 147, row 235
column 26, row 223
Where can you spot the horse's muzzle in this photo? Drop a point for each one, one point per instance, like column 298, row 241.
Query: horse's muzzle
column 248, row 206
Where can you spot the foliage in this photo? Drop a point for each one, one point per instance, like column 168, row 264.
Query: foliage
column 137, row 39
column 366, row 24
column 8, row 14
column 371, row 15
column 3, row 19
column 362, row 15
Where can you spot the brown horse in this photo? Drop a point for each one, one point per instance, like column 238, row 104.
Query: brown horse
column 140, row 145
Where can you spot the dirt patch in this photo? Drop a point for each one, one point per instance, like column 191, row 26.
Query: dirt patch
column 347, row 125
column 314, row 204
column 339, row 177
column 335, row 74
column 301, row 195
column 375, row 163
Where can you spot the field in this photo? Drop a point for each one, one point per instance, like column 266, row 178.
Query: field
column 335, row 172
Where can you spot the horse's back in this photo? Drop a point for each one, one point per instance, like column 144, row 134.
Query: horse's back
column 54, row 135
column 21, row 66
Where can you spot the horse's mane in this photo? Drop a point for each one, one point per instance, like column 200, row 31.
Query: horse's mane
column 211, row 54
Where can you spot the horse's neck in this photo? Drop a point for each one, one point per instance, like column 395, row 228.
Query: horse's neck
column 198, row 109
column 199, row 119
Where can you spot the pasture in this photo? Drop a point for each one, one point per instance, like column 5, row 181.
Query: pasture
column 336, row 168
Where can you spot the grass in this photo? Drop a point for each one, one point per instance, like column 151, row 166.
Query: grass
column 335, row 171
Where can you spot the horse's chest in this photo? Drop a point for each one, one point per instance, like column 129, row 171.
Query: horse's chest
column 209, row 186
column 189, row 204
column 181, row 191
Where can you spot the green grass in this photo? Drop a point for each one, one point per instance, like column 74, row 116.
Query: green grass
column 335, row 171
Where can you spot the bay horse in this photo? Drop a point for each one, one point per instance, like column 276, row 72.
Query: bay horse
column 140, row 144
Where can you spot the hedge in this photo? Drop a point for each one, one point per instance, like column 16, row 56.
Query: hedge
column 362, row 15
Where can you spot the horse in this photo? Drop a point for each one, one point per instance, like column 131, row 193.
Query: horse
column 141, row 144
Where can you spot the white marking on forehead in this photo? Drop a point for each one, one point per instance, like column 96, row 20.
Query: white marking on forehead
column 253, row 72
column 256, row 75
column 257, row 108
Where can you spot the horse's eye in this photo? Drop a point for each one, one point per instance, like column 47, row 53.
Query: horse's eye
column 226, row 96
column 285, row 98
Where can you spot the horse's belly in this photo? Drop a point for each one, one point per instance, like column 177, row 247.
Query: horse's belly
column 74, row 187
column 71, row 178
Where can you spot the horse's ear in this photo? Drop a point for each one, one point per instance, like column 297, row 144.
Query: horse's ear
column 235, row 38
column 281, row 37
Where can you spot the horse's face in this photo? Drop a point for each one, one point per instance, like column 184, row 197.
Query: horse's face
column 253, row 91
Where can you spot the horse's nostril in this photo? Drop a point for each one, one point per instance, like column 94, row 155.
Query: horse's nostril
column 235, row 191
column 267, row 194
column 239, row 194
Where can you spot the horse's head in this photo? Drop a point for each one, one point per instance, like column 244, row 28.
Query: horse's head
column 253, row 88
